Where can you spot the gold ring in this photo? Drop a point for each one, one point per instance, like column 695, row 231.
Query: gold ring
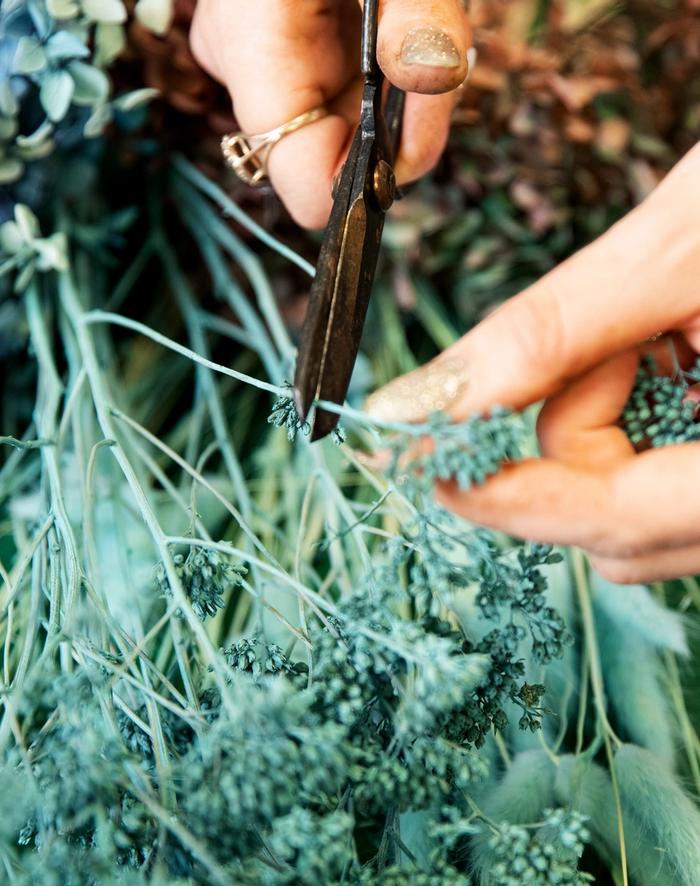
column 247, row 155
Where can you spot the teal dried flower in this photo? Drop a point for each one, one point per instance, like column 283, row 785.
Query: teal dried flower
column 511, row 594
column 657, row 412
column 528, row 698
column 260, row 659
column 24, row 249
column 284, row 415
column 549, row 854
column 246, row 772
column 400, row 875
column 313, row 849
column 206, row 575
column 468, row 452
column 78, row 763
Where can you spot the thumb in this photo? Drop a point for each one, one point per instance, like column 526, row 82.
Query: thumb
column 636, row 280
column 422, row 44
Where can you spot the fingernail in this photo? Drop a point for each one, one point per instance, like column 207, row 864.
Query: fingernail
column 471, row 62
column 414, row 397
column 428, row 46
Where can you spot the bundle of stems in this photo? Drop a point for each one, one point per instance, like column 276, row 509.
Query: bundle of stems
column 174, row 570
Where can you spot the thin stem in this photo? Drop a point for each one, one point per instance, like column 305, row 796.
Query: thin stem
column 75, row 313
column 208, row 187
column 117, row 320
column 598, row 687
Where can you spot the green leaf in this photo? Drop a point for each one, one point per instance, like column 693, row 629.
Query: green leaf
column 63, row 44
column 91, row 84
column 27, row 222
column 109, row 42
column 55, row 94
column 112, row 11
column 63, row 9
column 8, row 103
column 155, row 15
column 134, row 99
column 10, row 170
column 97, row 121
column 52, row 252
column 30, row 56
column 35, row 151
column 39, row 136
column 11, row 240
column 8, row 128
column 40, row 18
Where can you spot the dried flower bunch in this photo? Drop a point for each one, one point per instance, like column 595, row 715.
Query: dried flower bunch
column 660, row 411
column 351, row 686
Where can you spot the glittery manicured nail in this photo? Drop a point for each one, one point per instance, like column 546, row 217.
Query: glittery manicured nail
column 471, row 62
column 414, row 397
column 428, row 46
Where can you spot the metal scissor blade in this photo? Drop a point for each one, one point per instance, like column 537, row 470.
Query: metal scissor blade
column 313, row 345
column 347, row 261
column 350, row 298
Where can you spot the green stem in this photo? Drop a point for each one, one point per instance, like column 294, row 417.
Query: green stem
column 598, row 688
column 208, row 187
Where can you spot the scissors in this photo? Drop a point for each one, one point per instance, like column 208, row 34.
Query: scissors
column 347, row 261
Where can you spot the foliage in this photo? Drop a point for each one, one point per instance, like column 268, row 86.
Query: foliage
column 52, row 66
column 206, row 575
column 548, row 855
column 24, row 251
column 659, row 411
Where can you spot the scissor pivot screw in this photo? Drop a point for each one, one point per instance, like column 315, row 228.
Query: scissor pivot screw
column 384, row 185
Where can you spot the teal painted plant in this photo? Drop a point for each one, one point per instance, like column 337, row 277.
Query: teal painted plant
column 230, row 656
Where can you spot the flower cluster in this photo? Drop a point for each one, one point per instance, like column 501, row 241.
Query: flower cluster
column 659, row 411
column 52, row 72
column 284, row 414
column 444, row 560
column 253, row 656
column 467, row 452
column 23, row 249
column 206, row 575
column 542, row 856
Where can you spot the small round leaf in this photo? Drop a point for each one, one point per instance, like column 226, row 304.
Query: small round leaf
column 56, row 93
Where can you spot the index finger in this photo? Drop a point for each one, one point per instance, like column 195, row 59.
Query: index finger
column 637, row 279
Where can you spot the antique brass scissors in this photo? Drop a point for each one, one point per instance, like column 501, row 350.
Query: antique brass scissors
column 347, row 261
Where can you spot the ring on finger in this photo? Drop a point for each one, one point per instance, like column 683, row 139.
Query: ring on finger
column 248, row 154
